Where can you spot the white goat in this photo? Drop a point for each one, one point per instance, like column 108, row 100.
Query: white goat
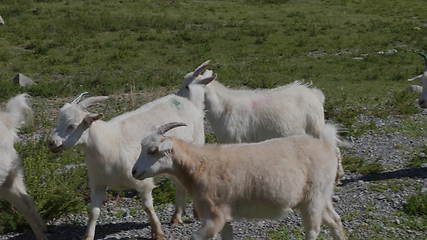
column 422, row 101
column 415, row 89
column 238, row 115
column 112, row 147
column 255, row 180
column 12, row 187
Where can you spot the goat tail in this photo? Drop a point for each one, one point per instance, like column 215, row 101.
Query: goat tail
column 329, row 135
column 319, row 95
column 19, row 109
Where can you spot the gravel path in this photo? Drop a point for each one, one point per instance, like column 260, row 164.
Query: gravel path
column 362, row 201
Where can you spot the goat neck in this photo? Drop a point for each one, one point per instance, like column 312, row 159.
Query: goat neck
column 217, row 98
column 188, row 163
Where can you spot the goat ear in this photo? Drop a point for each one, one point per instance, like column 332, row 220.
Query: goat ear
column 92, row 117
column 166, row 145
column 207, row 77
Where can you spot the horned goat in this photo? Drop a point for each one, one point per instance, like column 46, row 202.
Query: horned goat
column 238, row 115
column 422, row 100
column 12, row 187
column 112, row 147
column 251, row 180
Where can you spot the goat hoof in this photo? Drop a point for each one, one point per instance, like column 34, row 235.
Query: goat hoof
column 158, row 236
column 176, row 221
column 88, row 238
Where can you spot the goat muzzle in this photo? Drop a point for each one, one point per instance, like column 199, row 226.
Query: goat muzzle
column 53, row 147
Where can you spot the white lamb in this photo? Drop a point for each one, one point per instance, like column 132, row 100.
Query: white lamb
column 12, row 187
column 112, row 147
column 238, row 115
column 254, row 180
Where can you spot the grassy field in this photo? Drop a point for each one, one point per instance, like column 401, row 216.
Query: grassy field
column 359, row 52
column 108, row 46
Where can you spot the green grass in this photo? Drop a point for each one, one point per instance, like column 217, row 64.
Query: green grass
column 54, row 190
column 354, row 164
column 165, row 192
column 417, row 205
column 210, row 138
column 419, row 158
column 394, row 185
column 102, row 46
column 412, row 128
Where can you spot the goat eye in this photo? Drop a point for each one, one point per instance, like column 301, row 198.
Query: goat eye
column 152, row 150
column 70, row 128
column 187, row 87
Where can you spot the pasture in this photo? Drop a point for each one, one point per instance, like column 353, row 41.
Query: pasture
column 359, row 52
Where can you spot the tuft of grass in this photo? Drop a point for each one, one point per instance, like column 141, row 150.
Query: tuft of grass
column 285, row 233
column 395, row 185
column 411, row 127
column 371, row 168
column 346, row 115
column 403, row 102
column 165, row 192
column 119, row 213
column 419, row 159
column 355, row 164
column 417, row 204
column 210, row 138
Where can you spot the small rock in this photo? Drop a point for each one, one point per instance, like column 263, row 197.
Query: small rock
column 70, row 167
column 397, row 221
column 358, row 58
column 424, row 165
column 1, row 21
column 23, row 80
column 335, row 198
column 317, row 53
column 391, row 51
column 421, row 155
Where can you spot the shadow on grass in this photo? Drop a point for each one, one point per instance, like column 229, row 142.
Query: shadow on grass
column 402, row 173
column 73, row 231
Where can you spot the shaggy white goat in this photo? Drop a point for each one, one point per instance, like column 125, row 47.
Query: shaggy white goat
column 12, row 187
column 254, row 180
column 238, row 115
column 422, row 101
column 112, row 147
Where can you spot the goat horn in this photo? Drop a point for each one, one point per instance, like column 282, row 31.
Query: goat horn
column 200, row 68
column 77, row 99
column 415, row 78
column 92, row 100
column 168, row 126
